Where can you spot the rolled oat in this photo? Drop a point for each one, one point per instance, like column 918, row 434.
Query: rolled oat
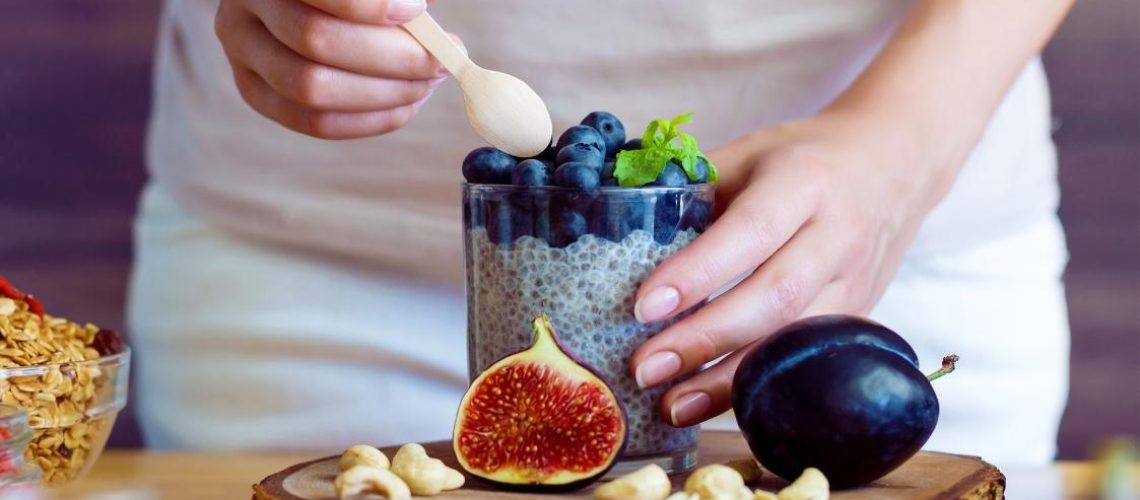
column 59, row 395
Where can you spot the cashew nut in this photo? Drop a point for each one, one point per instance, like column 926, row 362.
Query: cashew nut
column 364, row 479
column 647, row 483
column 717, row 482
column 453, row 480
column 764, row 495
column 424, row 475
column 748, row 468
column 681, row 495
column 363, row 454
column 811, row 485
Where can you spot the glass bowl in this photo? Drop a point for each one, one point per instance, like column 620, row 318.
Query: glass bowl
column 71, row 409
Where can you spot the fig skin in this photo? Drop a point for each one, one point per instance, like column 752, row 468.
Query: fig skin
column 548, row 352
column 839, row 393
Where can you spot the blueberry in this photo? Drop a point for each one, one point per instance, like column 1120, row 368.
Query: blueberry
column 522, row 215
column 612, row 130
column 580, row 152
column 571, row 226
column 607, row 177
column 576, row 175
column 702, row 171
column 488, row 166
column 672, row 176
column 532, row 172
column 500, row 227
column 614, row 218
column 666, row 217
column 632, row 145
column 697, row 216
column 581, row 134
column 541, row 214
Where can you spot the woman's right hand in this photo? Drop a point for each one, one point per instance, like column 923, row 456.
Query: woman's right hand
column 334, row 69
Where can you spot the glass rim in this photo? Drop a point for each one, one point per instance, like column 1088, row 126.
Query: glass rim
column 491, row 188
column 118, row 359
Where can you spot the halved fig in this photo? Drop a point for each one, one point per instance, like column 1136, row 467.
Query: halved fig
column 539, row 420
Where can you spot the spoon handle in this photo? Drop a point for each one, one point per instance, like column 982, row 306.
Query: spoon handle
column 429, row 33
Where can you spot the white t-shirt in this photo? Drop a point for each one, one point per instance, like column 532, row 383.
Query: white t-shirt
column 740, row 65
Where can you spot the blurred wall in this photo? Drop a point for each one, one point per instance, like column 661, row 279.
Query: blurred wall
column 73, row 106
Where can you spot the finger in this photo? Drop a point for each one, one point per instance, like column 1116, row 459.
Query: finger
column 704, row 395
column 761, row 220
column 386, row 52
column 324, row 124
column 315, row 85
column 836, row 298
column 770, row 298
column 383, row 12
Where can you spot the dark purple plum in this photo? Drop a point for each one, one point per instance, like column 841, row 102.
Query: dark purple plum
column 839, row 393
column 611, row 128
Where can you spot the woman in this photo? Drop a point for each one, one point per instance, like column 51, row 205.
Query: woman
column 884, row 157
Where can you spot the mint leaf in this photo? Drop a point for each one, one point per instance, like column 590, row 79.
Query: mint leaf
column 714, row 176
column 636, row 168
column 688, row 155
column 661, row 142
column 677, row 121
column 655, row 135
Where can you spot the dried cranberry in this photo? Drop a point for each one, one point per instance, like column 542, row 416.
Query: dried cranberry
column 107, row 342
column 7, row 290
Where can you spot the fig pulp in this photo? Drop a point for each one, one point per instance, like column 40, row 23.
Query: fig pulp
column 539, row 420
column 838, row 393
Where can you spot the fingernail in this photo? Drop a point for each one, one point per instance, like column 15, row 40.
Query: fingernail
column 688, row 408
column 657, row 368
column 656, row 304
column 402, row 11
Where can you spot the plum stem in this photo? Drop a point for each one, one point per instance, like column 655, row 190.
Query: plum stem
column 947, row 367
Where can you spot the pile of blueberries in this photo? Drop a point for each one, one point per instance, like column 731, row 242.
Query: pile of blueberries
column 578, row 165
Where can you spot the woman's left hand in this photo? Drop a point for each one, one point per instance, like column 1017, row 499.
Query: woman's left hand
column 823, row 210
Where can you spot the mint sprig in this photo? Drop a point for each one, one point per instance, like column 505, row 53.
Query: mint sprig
column 661, row 142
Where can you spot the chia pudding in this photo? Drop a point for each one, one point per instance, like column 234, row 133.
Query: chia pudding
column 524, row 257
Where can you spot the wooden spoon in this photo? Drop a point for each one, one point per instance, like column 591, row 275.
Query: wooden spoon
column 502, row 109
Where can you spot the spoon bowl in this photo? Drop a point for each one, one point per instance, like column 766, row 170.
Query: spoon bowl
column 506, row 112
column 502, row 109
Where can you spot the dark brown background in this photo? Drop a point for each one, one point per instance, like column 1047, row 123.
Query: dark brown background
column 74, row 91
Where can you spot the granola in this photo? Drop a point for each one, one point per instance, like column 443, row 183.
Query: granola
column 47, row 366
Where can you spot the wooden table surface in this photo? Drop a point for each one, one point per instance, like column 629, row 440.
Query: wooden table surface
column 133, row 474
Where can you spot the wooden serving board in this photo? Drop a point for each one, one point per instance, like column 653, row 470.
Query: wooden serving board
column 926, row 475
